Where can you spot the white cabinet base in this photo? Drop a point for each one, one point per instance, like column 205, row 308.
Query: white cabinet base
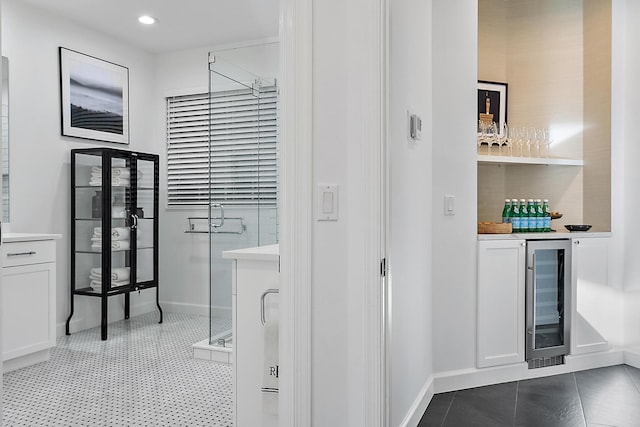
column 255, row 271
column 24, row 361
column 28, row 299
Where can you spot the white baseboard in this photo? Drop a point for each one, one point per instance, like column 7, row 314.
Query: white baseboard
column 24, row 361
column 197, row 309
column 419, row 406
column 78, row 323
column 632, row 358
column 469, row 378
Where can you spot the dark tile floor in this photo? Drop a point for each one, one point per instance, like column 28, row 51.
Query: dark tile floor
column 594, row 398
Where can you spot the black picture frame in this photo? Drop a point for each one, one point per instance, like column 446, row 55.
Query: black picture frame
column 497, row 92
column 94, row 98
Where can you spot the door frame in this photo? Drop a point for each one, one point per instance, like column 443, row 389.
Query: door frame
column 297, row 181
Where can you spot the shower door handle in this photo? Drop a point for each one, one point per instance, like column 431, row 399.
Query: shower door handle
column 219, row 206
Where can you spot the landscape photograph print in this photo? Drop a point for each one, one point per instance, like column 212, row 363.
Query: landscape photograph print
column 94, row 98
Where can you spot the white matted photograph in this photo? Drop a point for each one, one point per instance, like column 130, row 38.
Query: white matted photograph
column 94, row 98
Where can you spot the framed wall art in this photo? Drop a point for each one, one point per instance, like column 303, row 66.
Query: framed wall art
column 492, row 104
column 94, row 98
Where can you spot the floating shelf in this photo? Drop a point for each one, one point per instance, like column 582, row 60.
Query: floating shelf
column 506, row 160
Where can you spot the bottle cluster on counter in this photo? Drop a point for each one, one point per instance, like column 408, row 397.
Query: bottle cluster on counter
column 527, row 216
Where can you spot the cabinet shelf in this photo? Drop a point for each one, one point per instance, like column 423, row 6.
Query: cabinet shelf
column 507, row 160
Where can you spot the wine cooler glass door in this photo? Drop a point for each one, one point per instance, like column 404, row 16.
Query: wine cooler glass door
column 548, row 298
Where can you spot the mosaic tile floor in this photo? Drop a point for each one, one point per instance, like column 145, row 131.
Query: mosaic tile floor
column 143, row 375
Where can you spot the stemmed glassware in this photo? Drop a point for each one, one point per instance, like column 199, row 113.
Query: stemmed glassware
column 517, row 141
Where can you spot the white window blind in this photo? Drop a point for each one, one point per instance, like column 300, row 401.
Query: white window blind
column 242, row 158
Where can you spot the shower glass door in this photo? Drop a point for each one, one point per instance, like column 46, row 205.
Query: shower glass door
column 243, row 175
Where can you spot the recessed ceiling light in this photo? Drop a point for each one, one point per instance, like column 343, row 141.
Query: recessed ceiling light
column 147, row 20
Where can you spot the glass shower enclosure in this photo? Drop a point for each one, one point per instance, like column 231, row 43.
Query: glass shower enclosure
column 243, row 178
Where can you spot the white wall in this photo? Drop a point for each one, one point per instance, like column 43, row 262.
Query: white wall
column 410, row 235
column 184, row 258
column 332, row 321
column 625, row 180
column 455, row 44
column 40, row 156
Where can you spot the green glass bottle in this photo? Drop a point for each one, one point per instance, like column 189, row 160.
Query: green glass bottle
column 539, row 216
column 506, row 211
column 531, row 209
column 515, row 216
column 547, row 215
column 524, row 216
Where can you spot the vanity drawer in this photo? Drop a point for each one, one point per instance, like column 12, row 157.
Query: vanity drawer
column 25, row 253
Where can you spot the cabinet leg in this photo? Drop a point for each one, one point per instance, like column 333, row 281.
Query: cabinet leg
column 69, row 318
column 103, row 324
column 158, row 304
column 127, row 302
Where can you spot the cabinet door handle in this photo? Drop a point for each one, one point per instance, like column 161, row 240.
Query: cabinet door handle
column 21, row 253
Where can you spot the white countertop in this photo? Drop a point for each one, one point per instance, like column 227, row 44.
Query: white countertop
column 545, row 236
column 260, row 253
column 28, row 237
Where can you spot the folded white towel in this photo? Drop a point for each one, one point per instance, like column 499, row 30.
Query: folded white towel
column 115, row 181
column 116, row 171
column 120, row 245
column 116, row 245
column 120, row 173
column 97, row 231
column 120, row 233
column 96, row 285
column 118, row 274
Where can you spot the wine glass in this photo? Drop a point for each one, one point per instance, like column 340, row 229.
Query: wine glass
column 516, row 140
column 506, row 139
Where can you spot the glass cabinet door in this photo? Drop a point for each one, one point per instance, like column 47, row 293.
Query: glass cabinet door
column 87, row 224
column 103, row 203
column 122, row 238
column 144, row 218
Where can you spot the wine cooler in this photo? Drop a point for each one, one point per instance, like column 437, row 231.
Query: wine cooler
column 548, row 302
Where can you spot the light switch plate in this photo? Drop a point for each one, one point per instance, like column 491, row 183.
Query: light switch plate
column 327, row 206
column 449, row 205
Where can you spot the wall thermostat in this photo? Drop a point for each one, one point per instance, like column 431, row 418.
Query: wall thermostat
column 415, row 127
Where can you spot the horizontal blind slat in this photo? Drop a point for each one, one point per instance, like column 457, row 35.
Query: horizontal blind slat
column 223, row 146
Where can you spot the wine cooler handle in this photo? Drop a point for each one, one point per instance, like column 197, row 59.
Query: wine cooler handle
column 530, row 290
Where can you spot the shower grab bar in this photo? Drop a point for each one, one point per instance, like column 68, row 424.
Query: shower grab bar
column 215, row 227
column 264, row 295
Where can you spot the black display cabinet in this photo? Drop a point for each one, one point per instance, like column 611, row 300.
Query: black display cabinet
column 114, row 226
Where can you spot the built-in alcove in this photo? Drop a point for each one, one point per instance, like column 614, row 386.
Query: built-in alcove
column 555, row 56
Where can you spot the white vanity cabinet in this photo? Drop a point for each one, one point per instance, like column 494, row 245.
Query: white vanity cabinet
column 501, row 302
column 255, row 303
column 28, row 298
column 593, row 296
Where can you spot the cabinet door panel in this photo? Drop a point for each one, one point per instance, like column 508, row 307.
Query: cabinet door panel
column 501, row 274
column 28, row 309
column 591, row 293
